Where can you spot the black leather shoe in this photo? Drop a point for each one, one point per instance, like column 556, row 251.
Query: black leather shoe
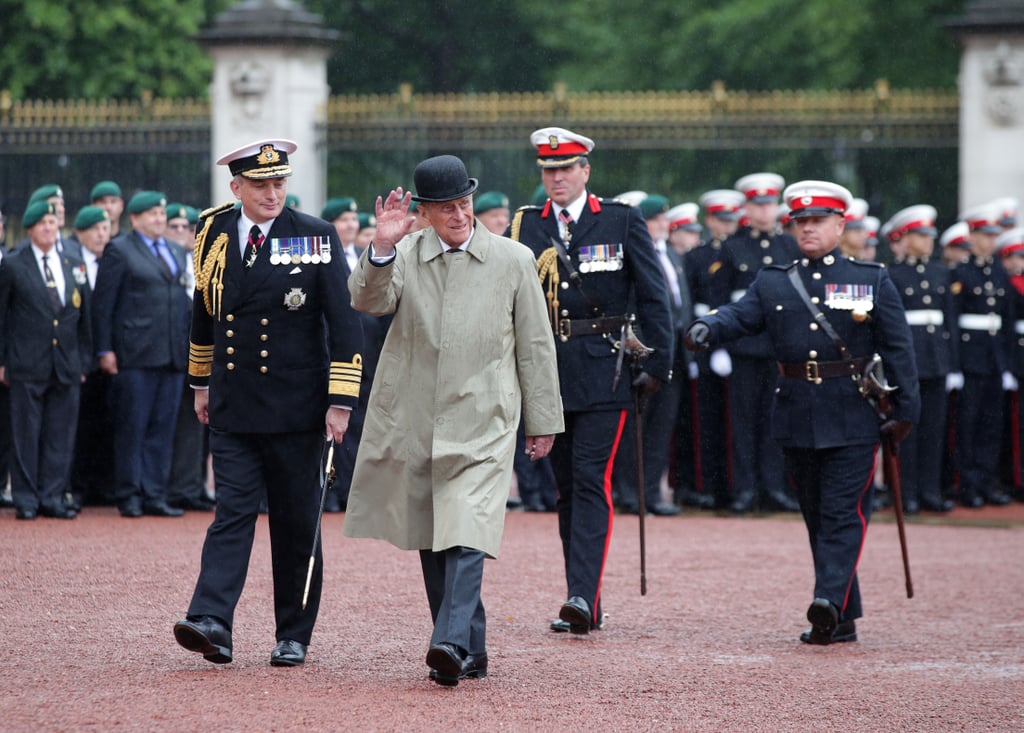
column 160, row 509
column 824, row 616
column 26, row 514
column 936, row 504
column 688, row 497
column 205, row 635
column 882, row 499
column 576, row 613
column 663, row 509
column 779, row 501
column 844, row 631
column 445, row 660
column 997, row 498
column 742, row 502
column 563, row 627
column 288, row 653
column 201, row 503
column 131, row 509
column 474, row 666
column 332, row 504
column 59, row 513
column 972, row 501
column 911, row 506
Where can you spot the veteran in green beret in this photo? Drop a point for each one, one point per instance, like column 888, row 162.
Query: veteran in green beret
column 44, row 354
column 343, row 213
column 491, row 208
column 107, row 195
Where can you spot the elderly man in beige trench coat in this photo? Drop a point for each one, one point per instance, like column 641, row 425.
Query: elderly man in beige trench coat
column 470, row 350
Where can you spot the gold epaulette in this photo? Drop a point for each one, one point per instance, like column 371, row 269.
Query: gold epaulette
column 215, row 210
column 200, row 360
column 517, row 223
column 345, row 377
column 547, row 270
column 209, row 264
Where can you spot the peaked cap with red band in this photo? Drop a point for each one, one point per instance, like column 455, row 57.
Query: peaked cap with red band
column 816, row 198
column 558, row 147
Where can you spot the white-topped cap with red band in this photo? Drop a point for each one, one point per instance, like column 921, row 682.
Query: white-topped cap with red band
column 684, row 216
column 919, row 218
column 1011, row 242
column 723, row 203
column 871, row 224
column 1008, row 210
column 816, row 198
column 956, row 236
column 761, row 188
column 558, row 147
column 983, row 218
column 855, row 214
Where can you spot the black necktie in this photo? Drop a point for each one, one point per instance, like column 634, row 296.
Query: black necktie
column 567, row 219
column 160, row 258
column 51, row 286
column 255, row 240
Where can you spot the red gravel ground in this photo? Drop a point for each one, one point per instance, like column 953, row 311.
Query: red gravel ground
column 87, row 608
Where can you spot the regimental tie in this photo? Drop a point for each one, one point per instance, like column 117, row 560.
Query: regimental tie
column 163, row 262
column 255, row 240
column 568, row 221
column 51, row 285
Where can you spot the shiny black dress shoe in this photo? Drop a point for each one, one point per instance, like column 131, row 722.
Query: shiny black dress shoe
column 131, row 509
column 61, row 512
column 474, row 666
column 972, row 501
column 26, row 514
column 563, row 627
column 911, row 506
column 881, row 499
column 997, row 498
column 205, row 635
column 689, row 497
column 332, row 504
column 936, row 504
column 288, row 653
column 201, row 503
column 663, row 509
column 576, row 613
column 160, row 509
column 823, row 615
column 779, row 501
column 446, row 663
column 844, row 631
column 742, row 502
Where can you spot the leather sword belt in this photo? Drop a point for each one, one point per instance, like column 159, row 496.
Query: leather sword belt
column 815, row 371
column 589, row 326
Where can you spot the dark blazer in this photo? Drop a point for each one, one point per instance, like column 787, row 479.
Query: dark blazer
column 587, row 364
column 36, row 345
column 284, row 342
column 833, row 413
column 139, row 312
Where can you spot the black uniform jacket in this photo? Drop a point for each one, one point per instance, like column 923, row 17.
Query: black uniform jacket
column 618, row 270
column 277, row 343
column 35, row 343
column 832, row 413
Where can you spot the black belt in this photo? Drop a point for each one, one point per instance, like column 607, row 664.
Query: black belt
column 589, row 326
column 815, row 371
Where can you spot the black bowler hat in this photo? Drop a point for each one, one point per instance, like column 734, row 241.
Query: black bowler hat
column 442, row 178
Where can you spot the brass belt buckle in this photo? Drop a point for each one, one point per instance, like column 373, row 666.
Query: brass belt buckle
column 811, row 369
column 564, row 329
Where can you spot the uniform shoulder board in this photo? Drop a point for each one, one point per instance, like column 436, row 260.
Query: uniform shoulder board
column 217, row 210
column 866, row 263
column 528, row 207
column 614, row 202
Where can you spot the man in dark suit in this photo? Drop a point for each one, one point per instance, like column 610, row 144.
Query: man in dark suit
column 274, row 360
column 140, row 325
column 828, row 431
column 595, row 260
column 44, row 354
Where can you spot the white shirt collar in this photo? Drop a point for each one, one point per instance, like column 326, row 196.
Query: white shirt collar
column 575, row 208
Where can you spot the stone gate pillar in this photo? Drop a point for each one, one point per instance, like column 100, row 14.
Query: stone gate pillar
column 991, row 81
column 270, row 80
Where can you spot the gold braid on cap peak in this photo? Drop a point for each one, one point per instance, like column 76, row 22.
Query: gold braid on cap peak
column 547, row 270
column 210, row 264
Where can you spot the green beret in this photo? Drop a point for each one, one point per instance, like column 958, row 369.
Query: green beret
column 336, row 207
column 490, row 200
column 37, row 211
column 144, row 201
column 104, row 188
column 181, row 211
column 90, row 215
column 653, row 205
column 366, row 220
column 291, row 201
column 540, row 195
column 413, row 205
column 45, row 192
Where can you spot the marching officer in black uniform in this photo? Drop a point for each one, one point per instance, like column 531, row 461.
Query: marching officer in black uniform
column 828, row 431
column 981, row 303
column 275, row 363
column 703, row 264
column 923, row 285
column 594, row 257
column 758, row 477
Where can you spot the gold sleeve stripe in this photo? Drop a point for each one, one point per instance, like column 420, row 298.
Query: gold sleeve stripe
column 346, row 377
column 200, row 360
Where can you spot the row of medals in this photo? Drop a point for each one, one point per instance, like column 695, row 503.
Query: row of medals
column 300, row 250
column 601, row 258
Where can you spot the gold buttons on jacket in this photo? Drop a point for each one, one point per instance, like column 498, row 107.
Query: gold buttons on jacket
column 229, row 333
column 812, row 354
column 263, row 337
column 231, row 366
column 55, row 342
column 264, row 321
column 814, row 326
column 56, row 322
column 264, row 354
column 229, row 317
column 230, row 350
column 263, row 370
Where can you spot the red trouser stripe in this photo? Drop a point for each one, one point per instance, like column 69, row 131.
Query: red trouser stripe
column 611, row 511
column 865, row 494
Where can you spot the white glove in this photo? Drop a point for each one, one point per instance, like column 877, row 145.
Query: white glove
column 954, row 381
column 693, row 370
column 1009, row 382
column 721, row 362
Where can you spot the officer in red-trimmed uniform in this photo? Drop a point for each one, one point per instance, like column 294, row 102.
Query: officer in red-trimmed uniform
column 595, row 258
column 274, row 359
column 828, row 431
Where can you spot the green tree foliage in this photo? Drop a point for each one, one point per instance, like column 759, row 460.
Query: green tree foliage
column 54, row 49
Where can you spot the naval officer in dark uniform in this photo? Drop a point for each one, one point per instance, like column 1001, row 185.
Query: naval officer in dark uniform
column 923, row 284
column 274, row 358
column 828, row 431
column 594, row 258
